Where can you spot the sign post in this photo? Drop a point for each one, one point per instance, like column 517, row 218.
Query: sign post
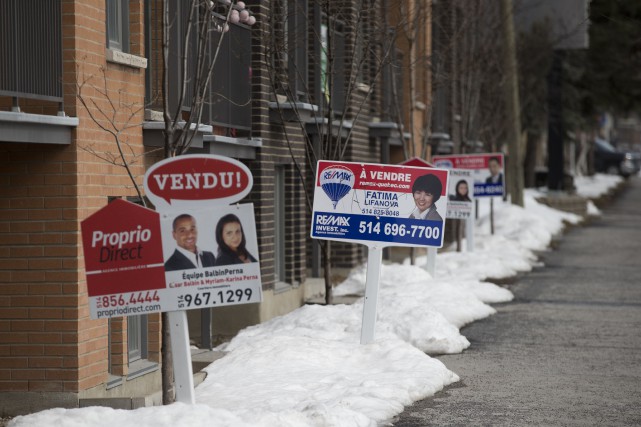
column 181, row 356
column 374, row 259
column 469, row 229
column 430, row 264
column 378, row 205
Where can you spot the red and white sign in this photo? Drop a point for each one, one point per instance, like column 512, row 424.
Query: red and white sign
column 123, row 249
column 123, row 258
column 489, row 179
column 416, row 161
column 192, row 179
column 458, row 205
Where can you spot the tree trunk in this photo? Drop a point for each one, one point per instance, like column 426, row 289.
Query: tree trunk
column 167, row 366
column 512, row 106
column 327, row 273
column 532, row 139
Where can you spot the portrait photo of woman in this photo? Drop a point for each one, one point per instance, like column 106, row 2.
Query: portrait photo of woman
column 462, row 192
column 231, row 241
column 426, row 191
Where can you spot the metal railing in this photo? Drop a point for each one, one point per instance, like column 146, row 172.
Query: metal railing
column 31, row 49
column 228, row 98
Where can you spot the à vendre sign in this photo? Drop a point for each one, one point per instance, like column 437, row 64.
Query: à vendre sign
column 374, row 203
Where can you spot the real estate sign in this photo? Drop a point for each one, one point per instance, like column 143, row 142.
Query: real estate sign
column 460, row 196
column 123, row 260
column 374, row 203
column 196, row 252
column 489, row 179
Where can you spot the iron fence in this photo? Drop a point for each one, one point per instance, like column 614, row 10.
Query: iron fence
column 31, row 49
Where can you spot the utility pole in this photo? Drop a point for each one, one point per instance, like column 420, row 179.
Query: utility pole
column 556, row 159
column 514, row 166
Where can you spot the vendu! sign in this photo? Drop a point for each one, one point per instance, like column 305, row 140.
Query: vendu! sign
column 188, row 180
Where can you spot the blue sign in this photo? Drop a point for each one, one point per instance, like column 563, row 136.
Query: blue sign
column 488, row 190
column 397, row 231
column 366, row 203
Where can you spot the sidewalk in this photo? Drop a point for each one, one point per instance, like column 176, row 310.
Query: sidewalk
column 567, row 350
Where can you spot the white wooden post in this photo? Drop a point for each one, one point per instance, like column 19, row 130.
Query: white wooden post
column 469, row 229
column 374, row 260
column 492, row 216
column 430, row 265
column 181, row 353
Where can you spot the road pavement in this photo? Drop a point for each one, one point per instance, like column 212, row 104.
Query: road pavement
column 567, row 350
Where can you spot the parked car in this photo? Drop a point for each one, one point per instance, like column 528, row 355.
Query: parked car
column 608, row 159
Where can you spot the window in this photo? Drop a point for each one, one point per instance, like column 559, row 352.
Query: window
column 289, row 48
column 363, row 42
column 331, row 82
column 136, row 338
column 392, row 87
column 230, row 91
column 297, row 43
column 118, row 25
column 136, row 350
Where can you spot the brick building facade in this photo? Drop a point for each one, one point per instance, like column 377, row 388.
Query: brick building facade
column 72, row 79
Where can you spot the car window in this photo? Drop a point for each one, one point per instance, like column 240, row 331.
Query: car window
column 604, row 145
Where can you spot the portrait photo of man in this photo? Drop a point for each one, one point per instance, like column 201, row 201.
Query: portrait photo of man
column 496, row 176
column 187, row 255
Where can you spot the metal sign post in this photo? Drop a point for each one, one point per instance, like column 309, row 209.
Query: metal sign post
column 374, row 260
column 469, row 229
column 181, row 353
column 430, row 265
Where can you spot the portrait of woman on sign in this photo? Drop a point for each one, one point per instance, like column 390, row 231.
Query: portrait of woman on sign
column 231, row 241
column 462, row 192
column 426, row 191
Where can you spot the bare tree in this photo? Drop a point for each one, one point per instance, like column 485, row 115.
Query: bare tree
column 349, row 50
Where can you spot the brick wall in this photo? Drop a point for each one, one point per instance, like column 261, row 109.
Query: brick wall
column 38, row 268
column 113, row 98
column 47, row 340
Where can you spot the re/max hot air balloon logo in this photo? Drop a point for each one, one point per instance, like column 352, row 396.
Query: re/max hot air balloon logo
column 336, row 182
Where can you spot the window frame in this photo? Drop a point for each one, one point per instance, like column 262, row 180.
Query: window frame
column 137, row 338
column 338, row 95
column 117, row 25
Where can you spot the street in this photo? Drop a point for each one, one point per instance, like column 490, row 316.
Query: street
column 567, row 350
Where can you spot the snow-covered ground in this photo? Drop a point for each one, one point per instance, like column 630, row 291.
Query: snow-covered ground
column 307, row 368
